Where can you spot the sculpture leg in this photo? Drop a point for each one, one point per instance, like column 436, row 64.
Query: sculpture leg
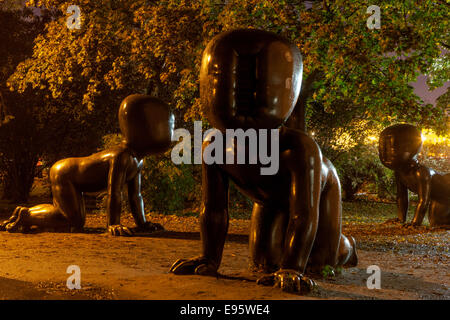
column 68, row 201
column 326, row 244
column 331, row 247
column 439, row 215
column 266, row 241
column 43, row 215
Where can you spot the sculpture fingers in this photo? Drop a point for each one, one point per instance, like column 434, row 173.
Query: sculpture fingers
column 289, row 281
column 118, row 230
column 190, row 266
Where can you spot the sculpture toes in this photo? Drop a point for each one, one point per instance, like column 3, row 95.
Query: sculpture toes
column 307, row 285
column 3, row 225
column 176, row 264
column 183, row 267
column 119, row 231
column 206, row 270
column 296, row 284
column 199, row 266
column 14, row 225
column 288, row 284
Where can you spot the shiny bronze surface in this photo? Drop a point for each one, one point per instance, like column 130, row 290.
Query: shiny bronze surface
column 251, row 79
column 398, row 148
column 147, row 127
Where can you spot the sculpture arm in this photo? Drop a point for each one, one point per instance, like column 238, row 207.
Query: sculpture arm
column 423, row 191
column 402, row 199
column 214, row 213
column 136, row 201
column 304, row 208
column 116, row 179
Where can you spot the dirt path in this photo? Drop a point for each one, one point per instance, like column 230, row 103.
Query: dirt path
column 33, row 266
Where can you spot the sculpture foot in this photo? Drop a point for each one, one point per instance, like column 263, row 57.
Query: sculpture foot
column 11, row 219
column 118, row 230
column 199, row 266
column 19, row 216
column 289, row 281
column 353, row 260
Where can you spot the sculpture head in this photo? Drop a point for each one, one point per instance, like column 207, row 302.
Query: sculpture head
column 146, row 124
column 399, row 144
column 249, row 79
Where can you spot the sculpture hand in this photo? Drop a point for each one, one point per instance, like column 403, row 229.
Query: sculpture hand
column 199, row 265
column 288, row 280
column 118, row 230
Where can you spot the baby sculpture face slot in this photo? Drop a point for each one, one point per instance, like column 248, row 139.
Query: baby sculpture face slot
column 147, row 126
column 251, row 79
column 398, row 148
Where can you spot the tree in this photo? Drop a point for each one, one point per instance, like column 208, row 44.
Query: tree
column 32, row 125
column 126, row 46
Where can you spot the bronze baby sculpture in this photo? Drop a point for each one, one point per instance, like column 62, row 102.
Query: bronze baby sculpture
column 147, row 126
column 398, row 147
column 252, row 79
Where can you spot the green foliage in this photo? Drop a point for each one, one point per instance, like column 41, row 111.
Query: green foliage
column 328, row 272
column 361, row 78
column 360, row 166
column 169, row 188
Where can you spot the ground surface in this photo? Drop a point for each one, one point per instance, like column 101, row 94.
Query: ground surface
column 414, row 262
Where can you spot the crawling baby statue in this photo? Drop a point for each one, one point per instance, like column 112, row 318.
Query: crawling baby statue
column 147, row 126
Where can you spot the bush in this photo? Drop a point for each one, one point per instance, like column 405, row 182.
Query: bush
column 360, row 167
column 170, row 188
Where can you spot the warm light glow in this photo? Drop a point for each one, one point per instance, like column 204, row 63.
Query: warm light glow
column 423, row 138
column 430, row 137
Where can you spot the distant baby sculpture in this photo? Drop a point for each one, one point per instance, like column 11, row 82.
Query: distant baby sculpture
column 399, row 146
column 147, row 127
column 252, row 79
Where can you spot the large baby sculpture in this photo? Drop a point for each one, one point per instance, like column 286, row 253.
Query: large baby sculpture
column 147, row 127
column 399, row 146
column 252, row 79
